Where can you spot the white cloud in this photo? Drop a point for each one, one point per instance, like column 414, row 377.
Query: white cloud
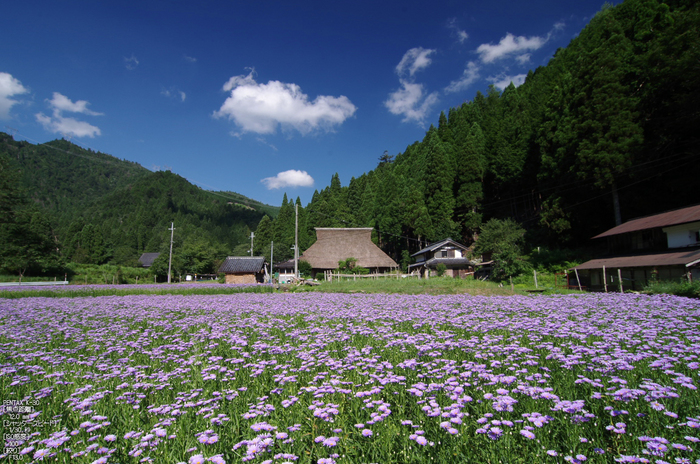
column 190, row 59
column 131, row 63
column 174, row 93
column 67, row 126
column 462, row 35
column 414, row 60
column 469, row 76
column 9, row 87
column 261, row 108
column 524, row 58
column 502, row 81
column 291, row 178
column 62, row 103
column 411, row 102
column 59, row 124
column 508, row 45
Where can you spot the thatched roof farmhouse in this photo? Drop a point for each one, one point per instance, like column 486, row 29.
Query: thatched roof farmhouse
column 336, row 244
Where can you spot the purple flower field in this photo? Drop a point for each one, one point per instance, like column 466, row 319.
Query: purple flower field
column 338, row 378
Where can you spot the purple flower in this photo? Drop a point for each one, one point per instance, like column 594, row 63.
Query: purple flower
column 366, row 432
column 527, row 434
column 331, row 442
column 41, row 453
column 495, row 433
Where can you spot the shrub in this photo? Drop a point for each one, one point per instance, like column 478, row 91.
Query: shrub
column 441, row 268
column 687, row 289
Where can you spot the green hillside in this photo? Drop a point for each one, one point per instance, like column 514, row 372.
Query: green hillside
column 64, row 178
column 95, row 208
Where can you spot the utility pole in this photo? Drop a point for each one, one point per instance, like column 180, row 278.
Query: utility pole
column 272, row 251
column 252, row 236
column 296, row 241
column 170, row 260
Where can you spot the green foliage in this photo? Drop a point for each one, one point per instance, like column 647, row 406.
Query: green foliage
column 305, row 268
column 504, row 240
column 441, row 269
column 29, row 244
column 685, row 288
column 107, row 274
column 349, row 266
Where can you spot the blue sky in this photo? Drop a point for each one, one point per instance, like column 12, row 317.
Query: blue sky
column 263, row 97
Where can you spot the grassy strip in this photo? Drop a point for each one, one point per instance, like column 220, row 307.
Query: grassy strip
column 432, row 286
column 122, row 290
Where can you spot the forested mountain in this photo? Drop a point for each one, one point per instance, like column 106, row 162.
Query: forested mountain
column 96, row 208
column 64, row 178
column 606, row 132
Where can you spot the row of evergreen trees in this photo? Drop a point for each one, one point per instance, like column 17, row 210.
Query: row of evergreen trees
column 607, row 131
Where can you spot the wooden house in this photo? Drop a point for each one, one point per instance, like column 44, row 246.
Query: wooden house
column 243, row 269
column 664, row 246
column 336, row 244
column 448, row 252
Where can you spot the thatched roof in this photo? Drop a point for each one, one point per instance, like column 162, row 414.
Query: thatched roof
column 333, row 245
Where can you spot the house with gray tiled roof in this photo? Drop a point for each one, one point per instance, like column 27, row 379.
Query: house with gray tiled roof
column 243, row 269
column 448, row 252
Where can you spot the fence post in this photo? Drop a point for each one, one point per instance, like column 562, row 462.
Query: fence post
column 619, row 276
column 578, row 281
column 605, row 280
